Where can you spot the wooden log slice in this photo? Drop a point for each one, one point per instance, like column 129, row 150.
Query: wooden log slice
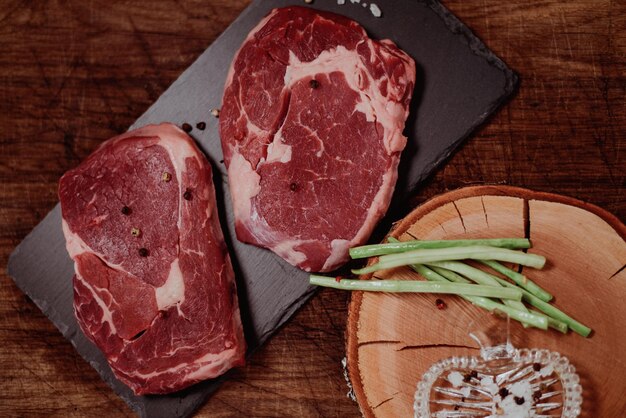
column 392, row 339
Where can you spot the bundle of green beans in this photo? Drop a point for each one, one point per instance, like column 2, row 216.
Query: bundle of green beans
column 439, row 262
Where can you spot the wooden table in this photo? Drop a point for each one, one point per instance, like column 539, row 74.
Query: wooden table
column 76, row 73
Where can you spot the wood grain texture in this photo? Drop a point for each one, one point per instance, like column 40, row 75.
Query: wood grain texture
column 74, row 73
column 386, row 357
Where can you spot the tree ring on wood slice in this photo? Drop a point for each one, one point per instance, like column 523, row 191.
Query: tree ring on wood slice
column 392, row 339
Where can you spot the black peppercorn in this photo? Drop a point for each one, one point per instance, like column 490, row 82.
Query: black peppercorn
column 519, row 400
column 126, row 210
column 293, row 187
column 187, row 195
column 503, row 392
column 536, row 367
column 143, row 252
column 187, row 127
column 314, row 83
column 201, row 126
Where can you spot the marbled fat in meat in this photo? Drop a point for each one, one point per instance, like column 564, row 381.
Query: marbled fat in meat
column 311, row 128
column 161, row 304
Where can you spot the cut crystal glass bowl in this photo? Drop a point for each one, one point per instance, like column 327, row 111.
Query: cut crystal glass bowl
column 502, row 382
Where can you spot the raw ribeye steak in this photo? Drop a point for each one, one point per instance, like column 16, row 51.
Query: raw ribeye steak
column 311, row 128
column 154, row 288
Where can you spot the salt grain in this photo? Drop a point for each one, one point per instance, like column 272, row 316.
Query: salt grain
column 375, row 10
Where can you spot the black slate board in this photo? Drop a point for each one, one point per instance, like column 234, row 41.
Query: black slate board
column 459, row 84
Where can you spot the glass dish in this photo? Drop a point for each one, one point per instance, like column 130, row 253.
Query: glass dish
column 502, row 382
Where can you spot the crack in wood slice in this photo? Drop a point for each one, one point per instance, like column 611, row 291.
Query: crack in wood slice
column 621, row 269
column 385, row 401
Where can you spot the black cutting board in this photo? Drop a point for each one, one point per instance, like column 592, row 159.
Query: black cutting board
column 459, row 84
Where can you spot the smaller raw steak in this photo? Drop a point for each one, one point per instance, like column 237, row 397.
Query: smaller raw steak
column 311, row 128
column 154, row 288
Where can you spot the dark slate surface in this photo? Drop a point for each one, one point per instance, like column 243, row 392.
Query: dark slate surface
column 459, row 84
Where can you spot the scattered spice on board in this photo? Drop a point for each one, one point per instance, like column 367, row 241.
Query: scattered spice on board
column 441, row 305
column 187, row 127
column 215, row 112
column 201, row 125
column 374, row 8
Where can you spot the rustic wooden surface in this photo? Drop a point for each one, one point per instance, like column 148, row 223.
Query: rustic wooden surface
column 74, row 73
column 385, row 357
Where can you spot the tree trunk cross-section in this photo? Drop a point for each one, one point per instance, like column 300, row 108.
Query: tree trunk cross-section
column 393, row 339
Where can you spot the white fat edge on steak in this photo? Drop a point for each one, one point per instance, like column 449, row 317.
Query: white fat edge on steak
column 206, row 366
column 287, row 250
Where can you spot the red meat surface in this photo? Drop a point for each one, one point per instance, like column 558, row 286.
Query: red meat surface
column 154, row 288
column 311, row 128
